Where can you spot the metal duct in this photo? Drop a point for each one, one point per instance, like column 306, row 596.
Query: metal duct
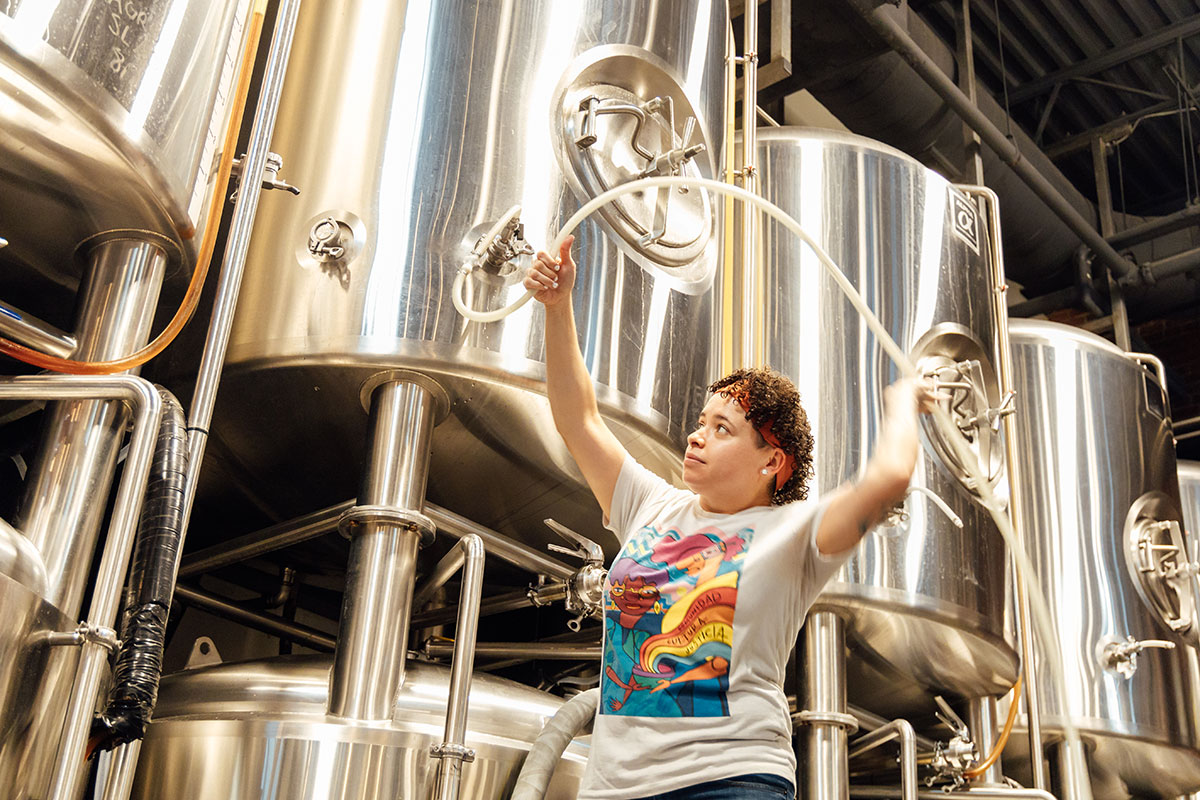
column 875, row 93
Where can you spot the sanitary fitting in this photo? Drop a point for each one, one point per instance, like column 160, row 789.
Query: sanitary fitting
column 585, row 589
column 453, row 751
column 1121, row 656
column 84, row 633
column 834, row 719
column 325, row 239
column 270, row 179
column 412, row 520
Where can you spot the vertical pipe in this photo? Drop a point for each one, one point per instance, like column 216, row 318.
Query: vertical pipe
column 368, row 665
column 67, row 781
column 973, row 171
column 753, row 344
column 825, row 700
column 982, row 719
column 453, row 752
column 121, row 766
column 66, row 491
column 1004, row 372
column 225, row 303
column 1120, row 316
column 1069, row 783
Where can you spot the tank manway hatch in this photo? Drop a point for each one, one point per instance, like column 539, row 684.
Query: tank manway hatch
column 624, row 117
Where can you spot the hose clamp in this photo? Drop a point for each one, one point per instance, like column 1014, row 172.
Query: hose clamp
column 846, row 722
column 412, row 520
column 450, row 750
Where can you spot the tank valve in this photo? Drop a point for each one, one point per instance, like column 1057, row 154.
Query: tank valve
column 1121, row 656
column 953, row 758
column 270, row 179
column 585, row 589
column 898, row 515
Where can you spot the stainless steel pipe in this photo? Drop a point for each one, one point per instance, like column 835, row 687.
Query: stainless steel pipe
column 498, row 604
column 141, row 398
column 64, row 499
column 276, row 626
column 983, row 720
column 234, row 262
column 902, row 730
column 467, row 554
column 550, row 651
column 827, row 764
column 753, row 347
column 32, row 332
column 368, row 665
column 318, row 523
column 1004, row 375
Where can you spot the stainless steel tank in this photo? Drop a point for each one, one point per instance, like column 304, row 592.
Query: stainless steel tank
column 1102, row 528
column 34, row 676
column 260, row 729
column 411, row 128
column 106, row 130
column 923, row 600
column 1189, row 494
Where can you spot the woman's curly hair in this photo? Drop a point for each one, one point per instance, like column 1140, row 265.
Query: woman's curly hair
column 773, row 398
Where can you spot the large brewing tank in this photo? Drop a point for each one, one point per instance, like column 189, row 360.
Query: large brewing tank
column 411, row 128
column 111, row 115
column 923, row 600
column 1189, row 494
column 1102, row 527
column 259, row 729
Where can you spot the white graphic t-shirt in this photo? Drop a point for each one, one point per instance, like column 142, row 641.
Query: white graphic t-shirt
column 701, row 612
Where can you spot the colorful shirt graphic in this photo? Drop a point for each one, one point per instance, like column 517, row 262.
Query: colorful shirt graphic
column 669, row 606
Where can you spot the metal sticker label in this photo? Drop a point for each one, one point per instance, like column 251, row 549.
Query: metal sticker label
column 966, row 220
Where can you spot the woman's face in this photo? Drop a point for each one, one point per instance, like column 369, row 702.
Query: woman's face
column 724, row 458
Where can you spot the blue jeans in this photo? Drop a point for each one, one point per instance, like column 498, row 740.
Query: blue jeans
column 743, row 787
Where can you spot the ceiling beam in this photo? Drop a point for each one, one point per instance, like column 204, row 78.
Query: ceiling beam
column 1109, row 59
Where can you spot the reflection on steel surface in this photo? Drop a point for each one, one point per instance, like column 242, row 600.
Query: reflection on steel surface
column 924, row 599
column 1096, row 455
column 112, row 113
column 228, row 731
column 417, row 125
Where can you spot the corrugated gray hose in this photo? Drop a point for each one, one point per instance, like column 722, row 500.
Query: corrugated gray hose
column 547, row 750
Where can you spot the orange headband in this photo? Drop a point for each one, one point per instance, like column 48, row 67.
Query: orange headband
column 739, row 393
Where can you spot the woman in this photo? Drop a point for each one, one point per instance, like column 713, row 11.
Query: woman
column 711, row 586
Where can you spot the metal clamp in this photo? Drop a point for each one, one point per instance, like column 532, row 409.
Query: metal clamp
column 413, row 520
column 1121, row 656
column 84, row 633
column 846, row 722
column 455, row 751
column 324, row 239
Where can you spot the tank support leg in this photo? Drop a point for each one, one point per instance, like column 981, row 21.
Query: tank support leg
column 829, row 726
column 385, row 528
column 982, row 718
column 1068, row 783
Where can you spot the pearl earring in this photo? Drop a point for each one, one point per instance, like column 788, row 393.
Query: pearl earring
column 764, row 470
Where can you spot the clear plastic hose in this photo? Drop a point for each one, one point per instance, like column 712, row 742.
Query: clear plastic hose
column 1041, row 613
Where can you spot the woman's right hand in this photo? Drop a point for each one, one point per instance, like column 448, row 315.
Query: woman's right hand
column 550, row 278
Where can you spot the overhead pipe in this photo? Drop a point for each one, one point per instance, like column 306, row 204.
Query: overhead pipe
column 898, row 40
column 319, row 523
column 1155, row 228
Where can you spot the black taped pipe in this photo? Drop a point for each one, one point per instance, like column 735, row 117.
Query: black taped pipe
column 150, row 587
column 897, row 39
